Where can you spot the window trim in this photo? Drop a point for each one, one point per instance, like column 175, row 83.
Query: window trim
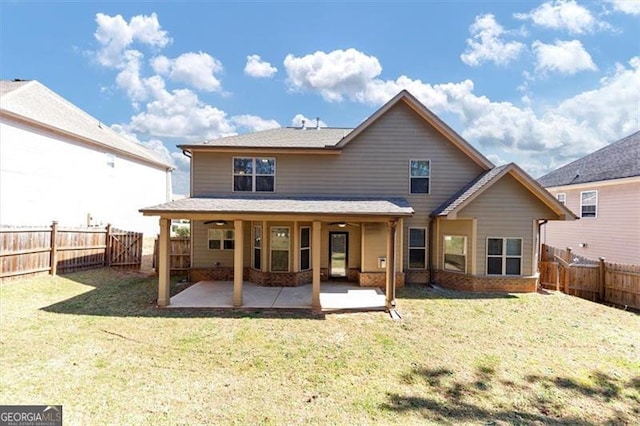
column 254, row 173
column 582, row 216
column 288, row 228
column 254, row 247
column 564, row 197
column 410, row 247
column 301, row 248
column 222, row 240
column 503, row 256
column 444, row 253
column 420, row 177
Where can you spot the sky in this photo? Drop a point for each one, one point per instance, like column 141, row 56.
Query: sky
column 536, row 83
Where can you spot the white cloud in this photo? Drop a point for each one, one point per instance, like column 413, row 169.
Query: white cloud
column 563, row 15
column 566, row 57
column 333, row 74
column 195, row 69
column 258, row 68
column 114, row 35
column 254, row 123
column 486, row 44
column 566, row 131
column 630, row 7
column 298, row 119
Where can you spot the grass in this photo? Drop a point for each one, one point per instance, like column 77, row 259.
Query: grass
column 93, row 342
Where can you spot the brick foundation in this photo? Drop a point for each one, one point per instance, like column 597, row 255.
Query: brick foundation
column 417, row 277
column 464, row 282
column 266, row 279
column 379, row 279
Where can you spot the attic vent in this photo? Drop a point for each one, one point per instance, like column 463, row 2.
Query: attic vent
column 303, row 124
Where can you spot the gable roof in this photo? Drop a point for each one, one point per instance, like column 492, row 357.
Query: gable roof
column 617, row 160
column 34, row 104
column 334, row 139
column 476, row 187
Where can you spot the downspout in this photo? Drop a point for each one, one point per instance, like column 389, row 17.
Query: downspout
column 432, row 280
column 540, row 224
column 394, row 225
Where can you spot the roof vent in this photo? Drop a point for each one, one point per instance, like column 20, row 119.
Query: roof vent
column 303, row 127
column 317, row 123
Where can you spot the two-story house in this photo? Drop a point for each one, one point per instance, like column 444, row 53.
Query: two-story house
column 604, row 189
column 400, row 198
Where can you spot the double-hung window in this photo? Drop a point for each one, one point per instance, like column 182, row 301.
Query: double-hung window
column 221, row 239
column 417, row 248
column 280, row 243
column 455, row 253
column 420, row 176
column 254, row 174
column 257, row 247
column 305, row 248
column 589, row 204
column 504, row 256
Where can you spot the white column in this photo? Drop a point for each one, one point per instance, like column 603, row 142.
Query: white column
column 163, row 262
column 391, row 261
column 315, row 263
column 238, row 263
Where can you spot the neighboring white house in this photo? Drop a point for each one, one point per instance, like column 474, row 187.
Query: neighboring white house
column 59, row 163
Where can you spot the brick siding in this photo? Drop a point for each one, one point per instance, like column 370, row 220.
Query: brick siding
column 464, row 282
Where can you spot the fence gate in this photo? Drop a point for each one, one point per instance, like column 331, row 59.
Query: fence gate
column 124, row 249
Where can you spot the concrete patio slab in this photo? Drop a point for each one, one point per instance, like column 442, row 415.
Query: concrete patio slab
column 333, row 296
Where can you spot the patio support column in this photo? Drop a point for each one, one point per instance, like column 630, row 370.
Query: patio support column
column 163, row 262
column 391, row 263
column 315, row 263
column 238, row 263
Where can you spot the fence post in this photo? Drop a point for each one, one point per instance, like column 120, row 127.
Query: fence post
column 107, row 243
column 557, row 275
column 53, row 258
column 569, row 259
column 602, row 281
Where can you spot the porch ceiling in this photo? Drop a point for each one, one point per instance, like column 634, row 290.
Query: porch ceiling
column 269, row 205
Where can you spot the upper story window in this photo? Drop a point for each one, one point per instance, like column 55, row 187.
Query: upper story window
column 254, row 174
column 589, row 204
column 562, row 197
column 420, row 176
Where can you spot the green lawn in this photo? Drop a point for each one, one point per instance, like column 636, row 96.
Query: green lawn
column 93, row 342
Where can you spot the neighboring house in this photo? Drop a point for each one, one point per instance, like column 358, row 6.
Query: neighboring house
column 400, row 198
column 59, row 163
column 603, row 188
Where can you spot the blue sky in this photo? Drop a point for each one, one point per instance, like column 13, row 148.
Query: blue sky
column 538, row 83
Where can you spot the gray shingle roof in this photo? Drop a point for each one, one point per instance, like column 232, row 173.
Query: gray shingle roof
column 286, row 205
column 617, row 160
column 468, row 191
column 284, row 137
column 35, row 102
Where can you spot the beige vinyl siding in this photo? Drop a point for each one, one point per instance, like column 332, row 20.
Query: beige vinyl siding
column 614, row 234
column 205, row 258
column 463, row 228
column 376, row 163
column 374, row 240
column 506, row 210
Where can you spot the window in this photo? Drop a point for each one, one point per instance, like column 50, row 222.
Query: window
column 589, row 204
column 305, row 248
column 419, row 173
column 417, row 248
column 280, row 240
column 254, row 174
column 504, row 256
column 221, row 239
column 455, row 253
column 562, row 197
column 257, row 248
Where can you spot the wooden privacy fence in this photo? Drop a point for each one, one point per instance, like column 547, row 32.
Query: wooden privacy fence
column 54, row 249
column 179, row 256
column 598, row 281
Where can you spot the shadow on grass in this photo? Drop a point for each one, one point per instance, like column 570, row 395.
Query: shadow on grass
column 452, row 400
column 425, row 291
column 132, row 294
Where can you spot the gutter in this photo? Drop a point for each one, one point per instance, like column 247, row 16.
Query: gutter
column 432, row 280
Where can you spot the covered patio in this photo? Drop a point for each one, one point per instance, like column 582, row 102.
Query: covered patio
column 334, row 296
